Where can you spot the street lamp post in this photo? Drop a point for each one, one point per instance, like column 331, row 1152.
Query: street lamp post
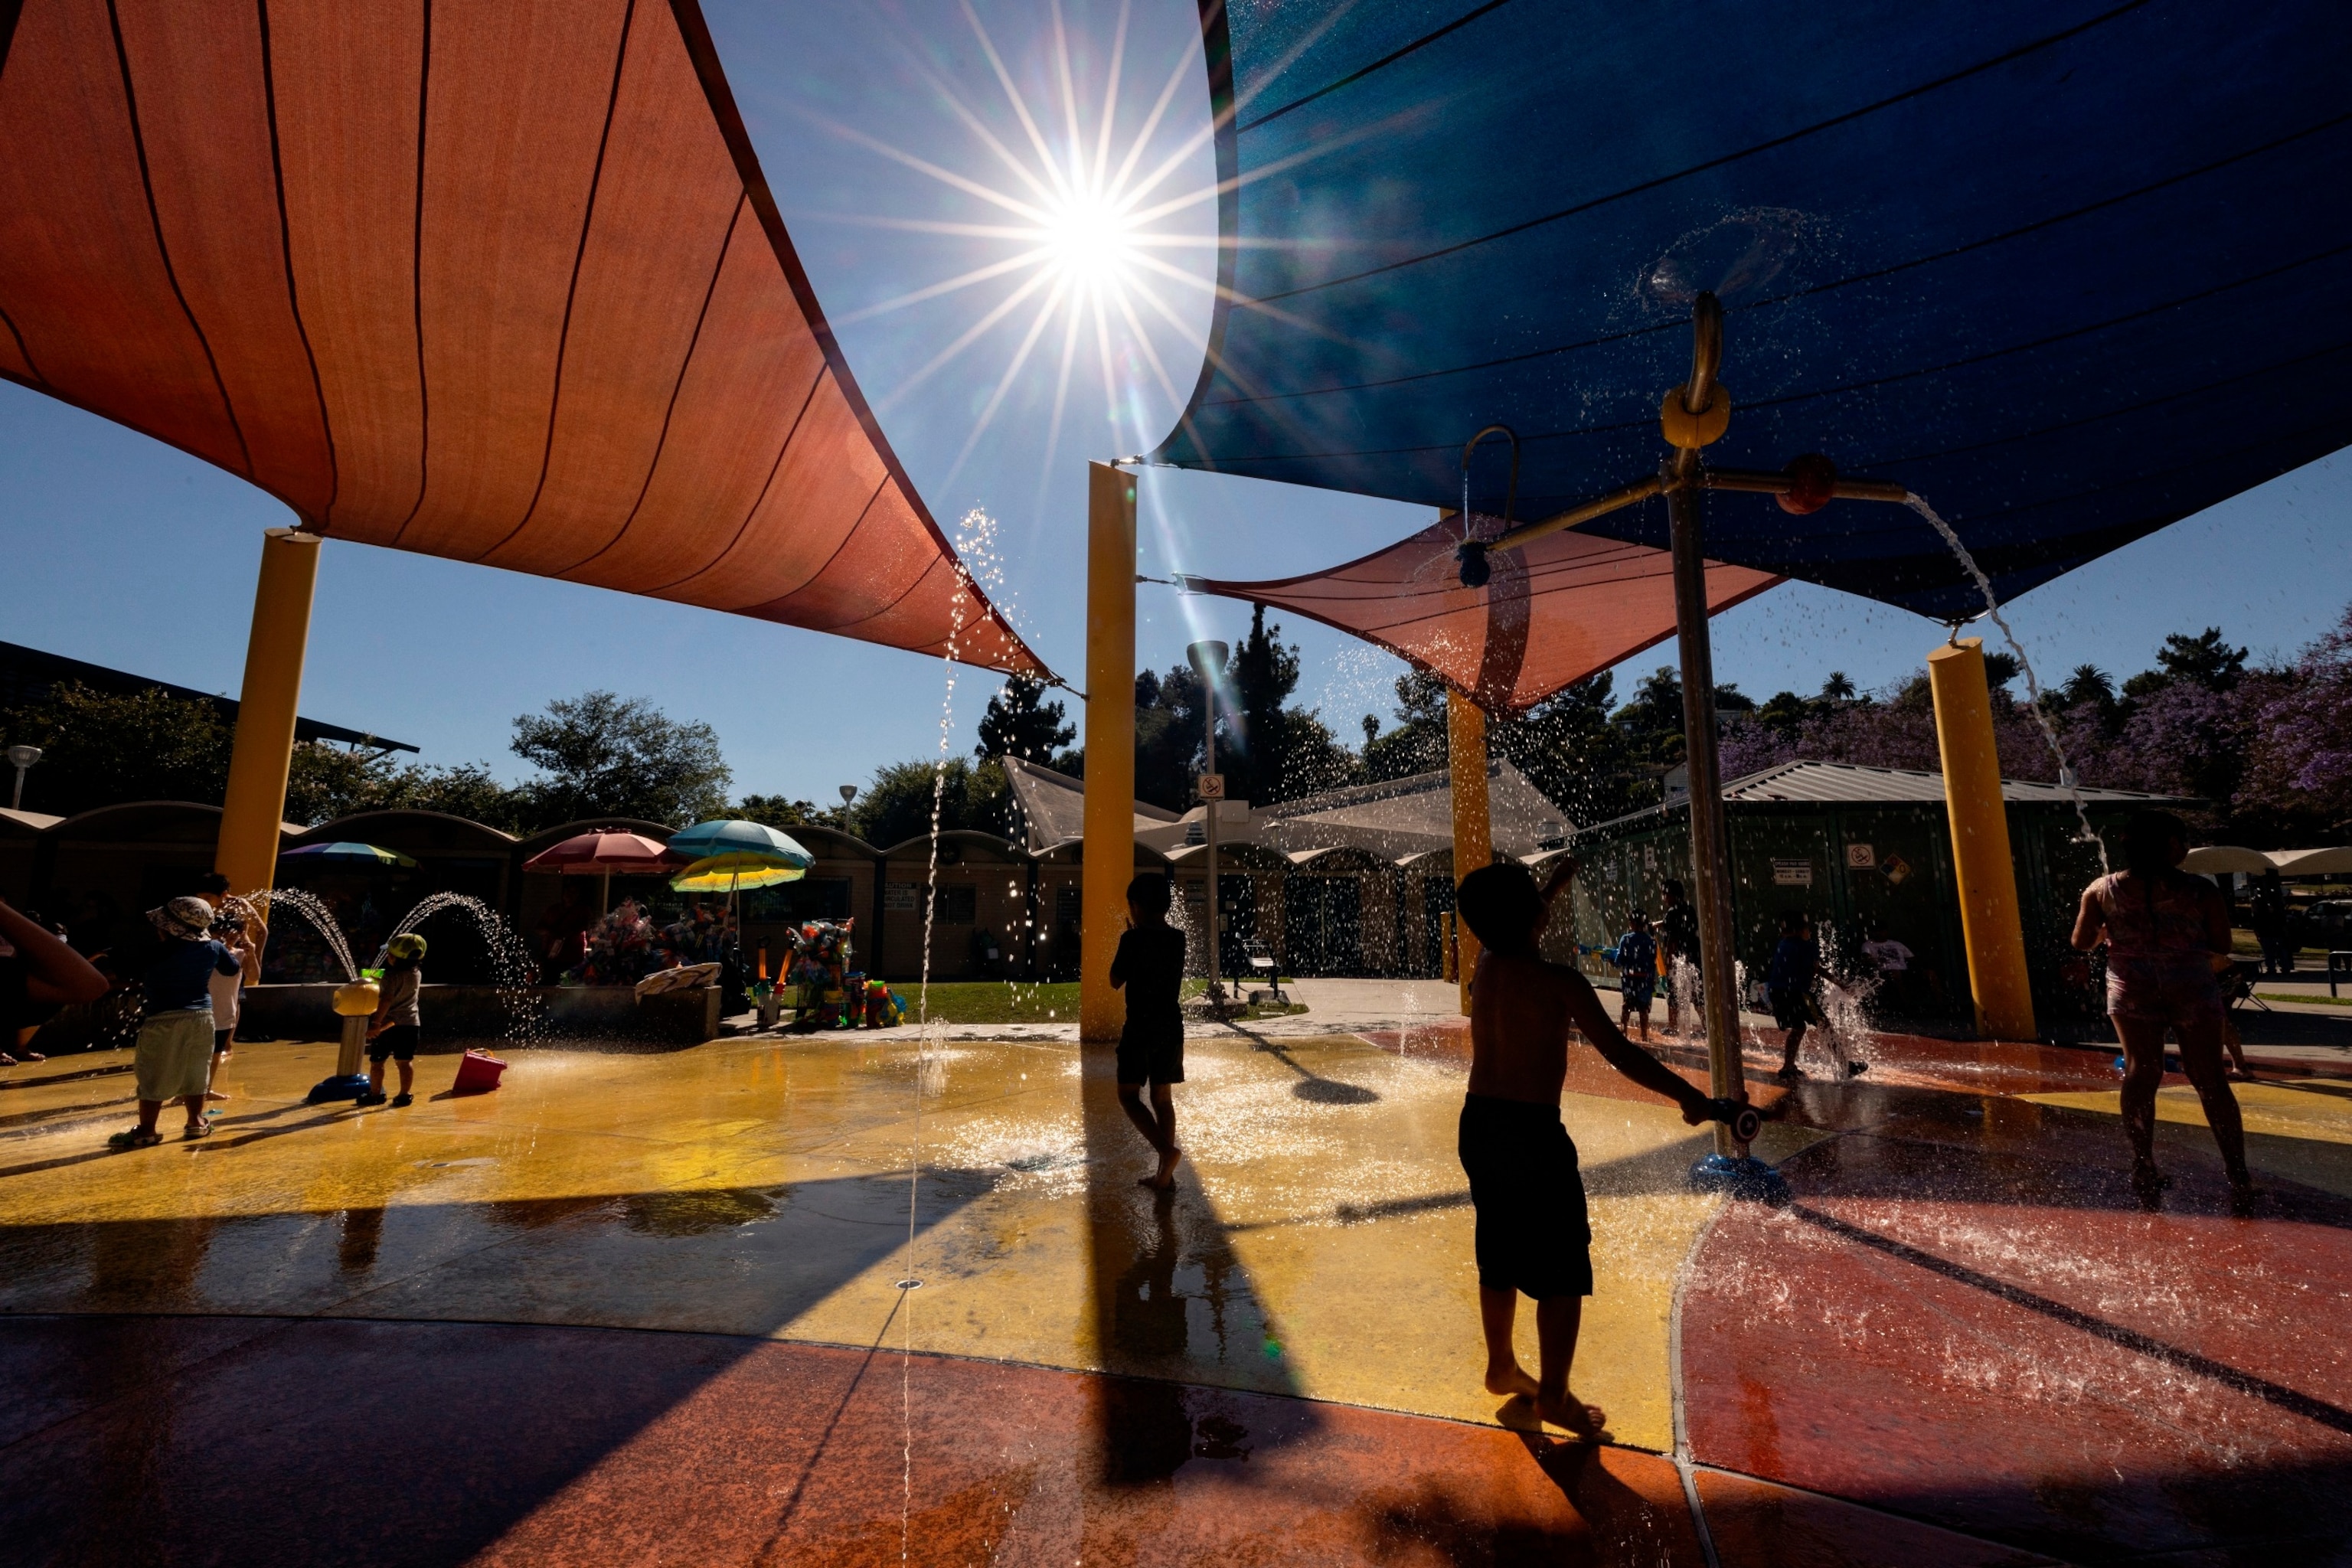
column 24, row 757
column 1209, row 658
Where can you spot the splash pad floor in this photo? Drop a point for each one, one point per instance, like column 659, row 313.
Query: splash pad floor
column 639, row 1308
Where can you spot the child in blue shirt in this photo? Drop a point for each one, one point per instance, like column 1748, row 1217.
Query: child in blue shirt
column 1637, row 971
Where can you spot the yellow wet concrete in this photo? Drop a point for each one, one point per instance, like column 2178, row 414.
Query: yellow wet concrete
column 1319, row 1243
column 2297, row 1128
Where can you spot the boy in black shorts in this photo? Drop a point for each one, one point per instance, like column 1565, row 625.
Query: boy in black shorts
column 397, row 1026
column 1533, row 1235
column 1150, row 965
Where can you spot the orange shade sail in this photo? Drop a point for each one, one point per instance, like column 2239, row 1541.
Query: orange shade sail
column 1555, row 610
column 499, row 282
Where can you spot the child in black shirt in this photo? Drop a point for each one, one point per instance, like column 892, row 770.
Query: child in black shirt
column 1150, row 965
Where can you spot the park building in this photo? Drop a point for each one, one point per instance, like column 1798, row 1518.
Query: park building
column 1353, row 881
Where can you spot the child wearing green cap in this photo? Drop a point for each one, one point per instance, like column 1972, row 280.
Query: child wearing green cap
column 394, row 1031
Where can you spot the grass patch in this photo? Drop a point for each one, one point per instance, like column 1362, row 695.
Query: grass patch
column 996, row 1001
column 2310, row 998
column 1021, row 1002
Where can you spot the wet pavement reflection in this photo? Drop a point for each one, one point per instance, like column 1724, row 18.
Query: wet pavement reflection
column 651, row 1309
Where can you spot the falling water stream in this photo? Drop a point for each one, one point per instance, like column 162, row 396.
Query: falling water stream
column 2032, row 683
column 975, row 538
column 314, row 910
column 513, row 970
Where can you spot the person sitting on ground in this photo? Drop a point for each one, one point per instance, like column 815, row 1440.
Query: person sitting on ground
column 397, row 1026
column 175, row 1059
column 1637, row 971
column 2164, row 930
column 1532, row 1232
column 1150, row 964
column 37, row 973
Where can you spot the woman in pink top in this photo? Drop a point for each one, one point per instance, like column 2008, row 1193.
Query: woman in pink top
column 2165, row 930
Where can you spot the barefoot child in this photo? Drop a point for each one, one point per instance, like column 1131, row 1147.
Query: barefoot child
column 1637, row 972
column 1150, row 965
column 394, row 1030
column 1532, row 1233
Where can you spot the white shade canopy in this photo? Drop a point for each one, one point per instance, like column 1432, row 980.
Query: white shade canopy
column 2209, row 859
column 2312, row 862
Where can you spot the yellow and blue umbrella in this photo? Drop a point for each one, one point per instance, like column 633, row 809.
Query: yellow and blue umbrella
column 734, row 872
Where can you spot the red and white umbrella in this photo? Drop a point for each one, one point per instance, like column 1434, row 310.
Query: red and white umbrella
column 605, row 855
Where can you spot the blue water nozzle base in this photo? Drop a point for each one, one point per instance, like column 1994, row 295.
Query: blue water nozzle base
column 337, row 1087
column 1743, row 1176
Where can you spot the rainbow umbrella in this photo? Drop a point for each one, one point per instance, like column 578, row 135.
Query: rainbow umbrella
column 344, row 853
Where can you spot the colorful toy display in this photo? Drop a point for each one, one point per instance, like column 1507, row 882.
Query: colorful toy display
column 819, row 968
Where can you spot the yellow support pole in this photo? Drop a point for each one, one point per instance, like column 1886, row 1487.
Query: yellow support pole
column 1109, row 863
column 1987, row 872
column 1474, row 835
column 263, row 753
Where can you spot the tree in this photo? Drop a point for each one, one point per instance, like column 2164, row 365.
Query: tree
column 1167, row 737
column 329, row 782
column 1418, row 743
column 782, row 811
column 1268, row 750
column 2202, row 660
column 2299, row 778
column 601, row 755
column 1570, row 751
column 101, row 749
column 1020, row 723
column 1838, row 687
column 898, row 805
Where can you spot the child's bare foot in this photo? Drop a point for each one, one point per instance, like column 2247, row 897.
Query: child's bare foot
column 1165, row 1177
column 1512, row 1380
column 214, row 1094
column 1587, row 1421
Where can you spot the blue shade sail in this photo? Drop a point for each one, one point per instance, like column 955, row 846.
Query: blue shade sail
column 2070, row 271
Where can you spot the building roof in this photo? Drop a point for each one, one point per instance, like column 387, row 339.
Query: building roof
column 1399, row 817
column 1842, row 782
column 1851, row 783
column 28, row 675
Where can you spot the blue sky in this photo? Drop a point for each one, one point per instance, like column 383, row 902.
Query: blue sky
column 126, row 552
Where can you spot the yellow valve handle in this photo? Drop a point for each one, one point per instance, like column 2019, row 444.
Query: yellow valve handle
column 1691, row 431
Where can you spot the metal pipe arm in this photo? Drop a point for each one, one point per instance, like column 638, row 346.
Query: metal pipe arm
column 1777, row 482
column 1640, row 490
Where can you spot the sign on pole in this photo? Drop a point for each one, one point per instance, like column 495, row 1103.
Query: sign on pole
column 1212, row 787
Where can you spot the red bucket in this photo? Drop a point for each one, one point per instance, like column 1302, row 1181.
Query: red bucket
column 477, row 1073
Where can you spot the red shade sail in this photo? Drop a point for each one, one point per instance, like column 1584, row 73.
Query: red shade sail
column 500, row 282
column 605, row 855
column 1554, row 610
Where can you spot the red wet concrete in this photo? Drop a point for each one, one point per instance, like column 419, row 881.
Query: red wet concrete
column 308, row 1441
column 1758, row 1526
column 2007, row 1345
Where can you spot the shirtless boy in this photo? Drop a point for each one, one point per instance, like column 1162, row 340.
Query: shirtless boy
column 1533, row 1235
